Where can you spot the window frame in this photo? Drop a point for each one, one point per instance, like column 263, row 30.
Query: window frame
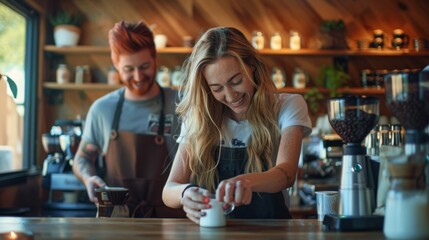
column 29, row 147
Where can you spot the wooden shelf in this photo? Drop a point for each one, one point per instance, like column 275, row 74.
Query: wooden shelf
column 267, row 52
column 106, row 50
column 83, row 86
column 103, row 86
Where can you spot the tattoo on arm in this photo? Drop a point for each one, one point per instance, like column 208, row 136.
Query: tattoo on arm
column 85, row 159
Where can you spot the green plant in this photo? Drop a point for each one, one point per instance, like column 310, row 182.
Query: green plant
column 11, row 83
column 332, row 77
column 64, row 17
column 313, row 98
column 332, row 25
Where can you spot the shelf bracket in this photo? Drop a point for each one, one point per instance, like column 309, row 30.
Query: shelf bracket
column 54, row 96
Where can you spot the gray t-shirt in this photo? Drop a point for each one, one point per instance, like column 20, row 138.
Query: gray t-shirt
column 140, row 117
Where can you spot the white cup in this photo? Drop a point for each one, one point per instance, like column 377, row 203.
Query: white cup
column 215, row 216
column 327, row 203
column 160, row 41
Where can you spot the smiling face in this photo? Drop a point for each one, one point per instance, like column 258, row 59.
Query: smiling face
column 137, row 72
column 230, row 85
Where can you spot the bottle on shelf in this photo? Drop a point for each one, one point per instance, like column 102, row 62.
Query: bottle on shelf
column 294, row 40
column 276, row 41
column 63, row 74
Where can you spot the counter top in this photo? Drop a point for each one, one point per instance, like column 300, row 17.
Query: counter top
column 131, row 228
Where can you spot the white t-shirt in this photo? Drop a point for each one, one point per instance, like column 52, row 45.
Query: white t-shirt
column 292, row 112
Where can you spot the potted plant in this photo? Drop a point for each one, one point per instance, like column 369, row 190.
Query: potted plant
column 333, row 34
column 66, row 28
column 332, row 77
column 12, row 85
column 314, row 97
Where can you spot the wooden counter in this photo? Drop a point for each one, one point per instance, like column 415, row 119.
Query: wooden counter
column 115, row 228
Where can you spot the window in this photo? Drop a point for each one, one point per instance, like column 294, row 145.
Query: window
column 18, row 60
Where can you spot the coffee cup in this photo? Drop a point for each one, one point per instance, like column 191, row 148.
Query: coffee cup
column 111, row 195
column 327, row 203
column 215, row 216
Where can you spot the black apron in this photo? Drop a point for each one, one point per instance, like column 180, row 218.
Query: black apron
column 140, row 163
column 264, row 205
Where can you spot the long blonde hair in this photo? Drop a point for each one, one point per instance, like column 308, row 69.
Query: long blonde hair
column 202, row 113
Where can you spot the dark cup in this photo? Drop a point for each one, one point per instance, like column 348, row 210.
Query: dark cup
column 105, row 211
column 109, row 196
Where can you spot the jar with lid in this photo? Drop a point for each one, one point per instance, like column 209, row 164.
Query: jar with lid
column 163, row 76
column 299, row 78
column 407, row 206
column 112, row 76
column 294, row 40
column 63, row 74
column 276, row 41
column 278, row 77
column 177, row 77
column 258, row 40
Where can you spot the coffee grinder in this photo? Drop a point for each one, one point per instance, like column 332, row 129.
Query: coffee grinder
column 352, row 118
column 407, row 97
column 408, row 100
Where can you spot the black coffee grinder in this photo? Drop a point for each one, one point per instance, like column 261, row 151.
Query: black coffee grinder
column 353, row 117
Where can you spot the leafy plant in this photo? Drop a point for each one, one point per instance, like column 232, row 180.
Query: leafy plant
column 64, row 17
column 332, row 25
column 332, row 77
column 12, row 85
column 313, row 98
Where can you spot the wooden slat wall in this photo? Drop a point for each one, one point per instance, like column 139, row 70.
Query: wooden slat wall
column 178, row 18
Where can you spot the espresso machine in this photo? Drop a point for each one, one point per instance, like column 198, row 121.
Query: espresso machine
column 352, row 118
column 67, row 196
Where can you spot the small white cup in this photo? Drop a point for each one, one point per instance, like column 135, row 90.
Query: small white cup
column 215, row 216
column 327, row 203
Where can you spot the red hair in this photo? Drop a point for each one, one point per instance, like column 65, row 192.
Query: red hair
column 127, row 38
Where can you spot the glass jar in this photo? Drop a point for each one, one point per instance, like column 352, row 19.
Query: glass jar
column 294, row 40
column 407, row 207
column 276, row 41
column 278, row 77
column 299, row 78
column 258, row 40
column 163, row 76
column 177, row 77
column 63, row 74
column 112, row 76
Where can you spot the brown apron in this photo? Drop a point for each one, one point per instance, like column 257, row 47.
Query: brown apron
column 140, row 163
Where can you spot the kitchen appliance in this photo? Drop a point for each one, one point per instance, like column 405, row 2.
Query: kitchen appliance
column 408, row 100
column 352, row 118
column 66, row 194
column 407, row 97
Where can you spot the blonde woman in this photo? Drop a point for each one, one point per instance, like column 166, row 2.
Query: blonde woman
column 239, row 139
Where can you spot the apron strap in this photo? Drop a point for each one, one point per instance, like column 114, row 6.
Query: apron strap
column 118, row 111
column 159, row 139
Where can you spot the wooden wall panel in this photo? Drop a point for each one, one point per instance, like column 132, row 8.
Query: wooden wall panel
column 173, row 18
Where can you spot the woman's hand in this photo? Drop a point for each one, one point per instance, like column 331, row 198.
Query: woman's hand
column 234, row 191
column 194, row 199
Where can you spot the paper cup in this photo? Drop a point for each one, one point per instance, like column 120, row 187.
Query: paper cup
column 327, row 203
